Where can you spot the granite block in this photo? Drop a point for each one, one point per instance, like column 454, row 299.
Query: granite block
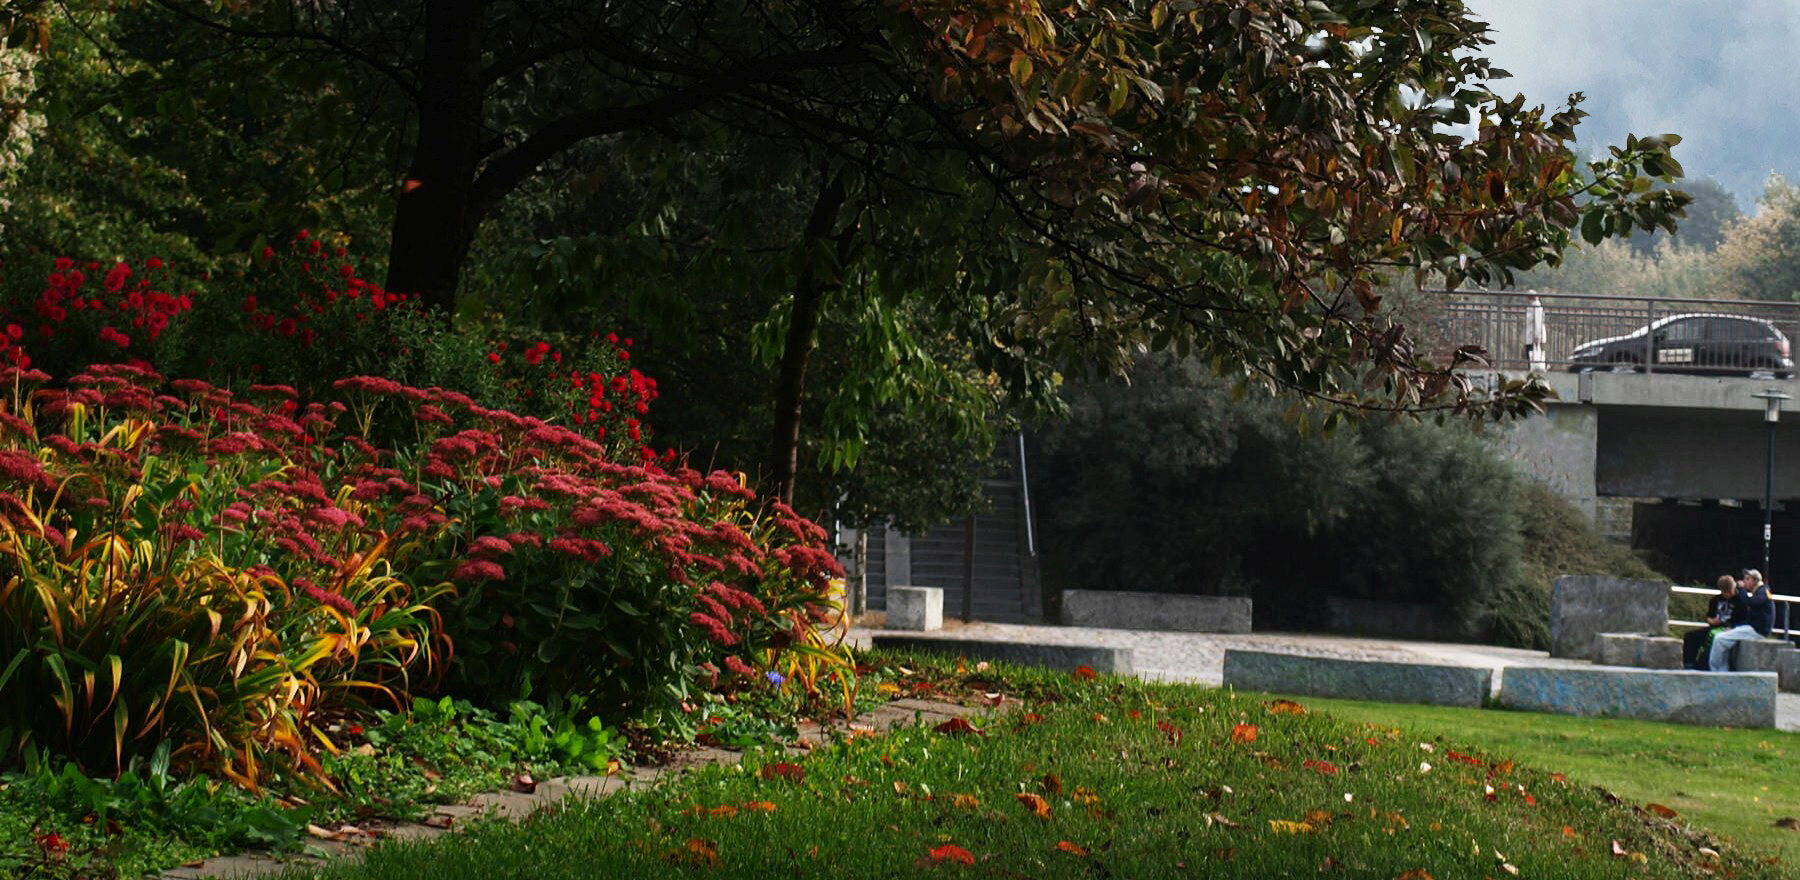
column 1759, row 655
column 1789, row 673
column 1635, row 649
column 1172, row 612
column 919, row 609
column 1583, row 606
column 1100, row 659
column 1734, row 699
column 1357, row 679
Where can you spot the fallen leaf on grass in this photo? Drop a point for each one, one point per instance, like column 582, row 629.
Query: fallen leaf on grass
column 949, row 853
column 1071, row 848
column 1568, row 831
column 1324, row 768
column 1286, row 707
column 1035, row 803
column 1100, row 719
column 784, row 770
column 887, row 687
column 1509, row 868
column 1243, row 733
column 1085, row 796
column 1170, row 731
column 1052, row 783
column 722, row 811
column 957, row 727
column 760, row 806
column 702, row 851
column 1219, row 819
column 1030, row 718
column 1661, row 810
column 1284, row 826
column 1416, row 874
column 965, row 801
column 1084, row 673
column 1788, row 822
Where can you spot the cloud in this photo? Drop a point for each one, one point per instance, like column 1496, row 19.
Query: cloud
column 1721, row 73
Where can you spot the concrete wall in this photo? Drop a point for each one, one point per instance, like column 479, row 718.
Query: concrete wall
column 1693, row 453
column 1558, row 449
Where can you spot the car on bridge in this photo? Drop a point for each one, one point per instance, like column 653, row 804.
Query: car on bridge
column 1693, row 343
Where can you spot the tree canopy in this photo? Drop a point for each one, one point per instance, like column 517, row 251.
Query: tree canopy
column 1039, row 188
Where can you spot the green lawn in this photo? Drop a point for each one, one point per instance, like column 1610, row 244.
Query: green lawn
column 1735, row 782
column 1102, row 778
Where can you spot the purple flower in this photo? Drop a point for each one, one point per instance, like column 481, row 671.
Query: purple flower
column 775, row 678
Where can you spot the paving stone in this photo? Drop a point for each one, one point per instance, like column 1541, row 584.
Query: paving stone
column 506, row 804
column 1357, row 679
column 584, row 787
column 1736, row 699
column 413, row 831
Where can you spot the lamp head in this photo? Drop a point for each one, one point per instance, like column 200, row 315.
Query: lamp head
column 1772, row 399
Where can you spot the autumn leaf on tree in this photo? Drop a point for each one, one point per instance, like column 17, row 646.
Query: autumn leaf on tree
column 1035, row 803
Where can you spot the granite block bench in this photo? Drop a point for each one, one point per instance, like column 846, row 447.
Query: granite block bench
column 1100, row 659
column 1734, row 699
column 1169, row 612
column 1397, row 682
column 1637, row 649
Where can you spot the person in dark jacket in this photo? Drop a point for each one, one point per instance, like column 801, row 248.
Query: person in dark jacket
column 1718, row 618
column 1752, row 617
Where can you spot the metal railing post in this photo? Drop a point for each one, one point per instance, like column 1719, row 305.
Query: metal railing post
column 1649, row 337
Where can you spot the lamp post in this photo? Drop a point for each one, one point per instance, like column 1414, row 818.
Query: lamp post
column 1771, row 399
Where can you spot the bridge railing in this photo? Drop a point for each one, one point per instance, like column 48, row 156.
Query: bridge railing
column 1787, row 611
column 1504, row 322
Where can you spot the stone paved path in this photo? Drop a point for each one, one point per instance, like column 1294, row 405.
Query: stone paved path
column 515, row 806
column 1200, row 657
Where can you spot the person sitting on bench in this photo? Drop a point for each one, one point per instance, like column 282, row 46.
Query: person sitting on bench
column 1752, row 618
column 1696, row 643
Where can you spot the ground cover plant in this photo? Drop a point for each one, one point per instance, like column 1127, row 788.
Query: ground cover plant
column 1082, row 776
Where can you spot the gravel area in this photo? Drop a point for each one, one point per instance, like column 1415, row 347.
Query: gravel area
column 1200, row 657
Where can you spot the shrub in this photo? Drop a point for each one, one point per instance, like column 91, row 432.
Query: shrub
column 174, row 569
column 226, row 570
column 635, row 584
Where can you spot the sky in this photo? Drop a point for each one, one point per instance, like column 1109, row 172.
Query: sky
column 1723, row 74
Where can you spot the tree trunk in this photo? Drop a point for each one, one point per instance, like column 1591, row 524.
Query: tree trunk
column 802, row 336
column 435, row 220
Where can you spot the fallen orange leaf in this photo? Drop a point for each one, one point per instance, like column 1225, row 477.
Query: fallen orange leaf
column 1052, row 783
column 1171, row 731
column 1415, row 874
column 956, row 727
column 760, row 806
column 1286, row 707
column 1284, row 826
column 949, row 852
column 1568, row 831
column 703, row 851
column 1035, row 803
column 1325, row 768
column 1243, row 733
column 1661, row 810
column 723, row 811
column 1084, row 672
column 1071, row 849
column 1084, row 796
column 1031, row 718
column 964, row 801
